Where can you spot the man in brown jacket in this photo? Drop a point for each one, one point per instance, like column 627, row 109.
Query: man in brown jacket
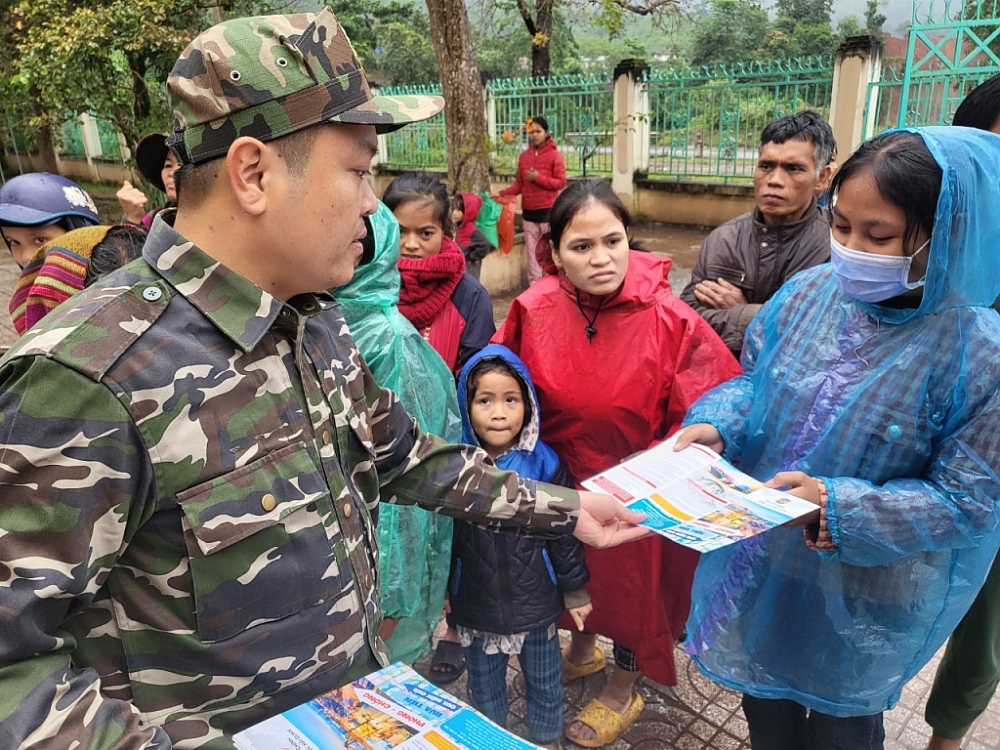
column 743, row 262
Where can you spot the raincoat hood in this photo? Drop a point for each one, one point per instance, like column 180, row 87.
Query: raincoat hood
column 530, row 457
column 473, row 204
column 646, row 282
column 962, row 268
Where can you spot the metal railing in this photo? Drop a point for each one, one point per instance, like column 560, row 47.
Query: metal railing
column 705, row 122
column 578, row 109
column 951, row 49
column 420, row 146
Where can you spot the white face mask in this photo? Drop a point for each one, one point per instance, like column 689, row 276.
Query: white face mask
column 872, row 278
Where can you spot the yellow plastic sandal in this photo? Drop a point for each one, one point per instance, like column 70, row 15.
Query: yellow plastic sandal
column 607, row 724
column 571, row 671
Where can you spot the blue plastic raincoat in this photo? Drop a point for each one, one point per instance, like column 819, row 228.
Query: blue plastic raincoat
column 897, row 410
column 415, row 546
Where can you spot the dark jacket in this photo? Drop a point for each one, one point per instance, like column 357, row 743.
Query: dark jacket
column 478, row 248
column 758, row 259
column 504, row 583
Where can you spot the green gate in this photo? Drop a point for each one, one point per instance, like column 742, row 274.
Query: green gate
column 951, row 49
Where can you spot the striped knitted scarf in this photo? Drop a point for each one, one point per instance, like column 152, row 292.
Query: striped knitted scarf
column 57, row 271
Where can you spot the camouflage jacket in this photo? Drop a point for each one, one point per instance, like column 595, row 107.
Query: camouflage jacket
column 190, row 471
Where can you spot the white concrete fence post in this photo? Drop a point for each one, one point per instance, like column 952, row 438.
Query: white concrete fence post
column 857, row 66
column 630, row 147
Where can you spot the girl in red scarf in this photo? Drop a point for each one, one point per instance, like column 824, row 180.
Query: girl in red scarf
column 450, row 308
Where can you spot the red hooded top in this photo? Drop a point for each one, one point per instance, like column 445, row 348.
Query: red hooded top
column 651, row 357
column 541, row 193
column 473, row 204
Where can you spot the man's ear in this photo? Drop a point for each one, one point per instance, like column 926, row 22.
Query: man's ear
column 825, row 176
column 247, row 164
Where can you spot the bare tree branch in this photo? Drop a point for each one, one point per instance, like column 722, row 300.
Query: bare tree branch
column 648, row 7
column 529, row 22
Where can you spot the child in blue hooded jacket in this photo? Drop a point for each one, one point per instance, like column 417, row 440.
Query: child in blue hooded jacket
column 507, row 591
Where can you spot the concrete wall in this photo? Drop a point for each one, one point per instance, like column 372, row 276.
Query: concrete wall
column 691, row 204
column 505, row 274
column 685, row 203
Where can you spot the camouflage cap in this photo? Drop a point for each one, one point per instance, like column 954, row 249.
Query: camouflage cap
column 269, row 76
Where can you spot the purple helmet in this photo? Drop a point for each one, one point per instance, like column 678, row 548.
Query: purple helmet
column 41, row 198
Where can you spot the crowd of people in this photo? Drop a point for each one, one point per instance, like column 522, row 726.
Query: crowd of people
column 255, row 443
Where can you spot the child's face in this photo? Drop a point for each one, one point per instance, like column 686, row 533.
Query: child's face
column 24, row 241
column 497, row 412
column 593, row 250
column 457, row 215
column 420, row 232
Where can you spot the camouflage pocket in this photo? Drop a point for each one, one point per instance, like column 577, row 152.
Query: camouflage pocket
column 257, row 545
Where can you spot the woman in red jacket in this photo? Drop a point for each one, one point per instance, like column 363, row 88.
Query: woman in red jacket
column 617, row 360
column 541, row 174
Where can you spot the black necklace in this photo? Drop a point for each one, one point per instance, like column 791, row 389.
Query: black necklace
column 590, row 329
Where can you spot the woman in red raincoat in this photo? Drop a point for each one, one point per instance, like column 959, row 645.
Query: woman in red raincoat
column 617, row 361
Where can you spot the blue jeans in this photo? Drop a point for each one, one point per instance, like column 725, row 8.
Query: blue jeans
column 787, row 725
column 541, row 665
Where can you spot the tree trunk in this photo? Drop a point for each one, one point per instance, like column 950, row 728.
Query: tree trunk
column 542, row 41
column 465, row 111
column 43, row 137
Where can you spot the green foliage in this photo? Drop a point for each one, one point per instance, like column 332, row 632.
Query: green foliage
column 809, row 12
column 850, row 26
column 802, row 27
column 108, row 57
column 365, row 21
column 874, row 19
column 504, row 50
column 733, row 30
column 403, row 54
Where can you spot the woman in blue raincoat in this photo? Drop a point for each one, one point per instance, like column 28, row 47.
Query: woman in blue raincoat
column 414, row 545
column 870, row 388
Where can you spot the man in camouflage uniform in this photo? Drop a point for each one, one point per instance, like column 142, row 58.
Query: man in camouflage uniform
column 192, row 451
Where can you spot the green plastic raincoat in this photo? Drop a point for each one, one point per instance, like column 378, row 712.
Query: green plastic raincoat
column 415, row 546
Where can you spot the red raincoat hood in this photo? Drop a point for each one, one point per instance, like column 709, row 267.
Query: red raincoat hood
column 646, row 282
column 463, row 232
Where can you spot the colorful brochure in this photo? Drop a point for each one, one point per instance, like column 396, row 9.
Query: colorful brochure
column 697, row 498
column 392, row 708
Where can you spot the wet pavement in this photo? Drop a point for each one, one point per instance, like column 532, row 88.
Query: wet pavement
column 696, row 714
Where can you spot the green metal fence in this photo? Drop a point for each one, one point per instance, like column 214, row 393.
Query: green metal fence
column 705, row 122
column 578, row 108
column 72, row 139
column 418, row 146
column 951, row 49
column 72, row 143
column 107, row 134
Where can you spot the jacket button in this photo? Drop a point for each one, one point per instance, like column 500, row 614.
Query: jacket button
column 326, row 437
column 895, row 432
column 151, row 293
column 268, row 502
column 347, row 510
column 368, row 580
